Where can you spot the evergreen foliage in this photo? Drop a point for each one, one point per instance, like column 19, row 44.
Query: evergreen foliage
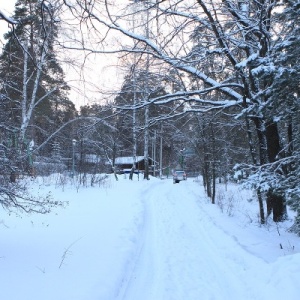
column 34, row 100
column 287, row 100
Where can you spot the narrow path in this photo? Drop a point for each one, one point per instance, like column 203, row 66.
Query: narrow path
column 182, row 255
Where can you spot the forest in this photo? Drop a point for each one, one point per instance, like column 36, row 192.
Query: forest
column 211, row 86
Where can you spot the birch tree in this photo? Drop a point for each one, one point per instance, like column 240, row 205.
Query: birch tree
column 32, row 77
column 31, row 83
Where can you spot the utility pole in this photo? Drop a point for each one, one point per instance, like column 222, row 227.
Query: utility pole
column 134, row 134
column 73, row 157
column 161, row 152
column 146, row 93
column 154, row 153
column 146, row 99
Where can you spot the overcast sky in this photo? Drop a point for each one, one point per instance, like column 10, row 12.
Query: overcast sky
column 102, row 74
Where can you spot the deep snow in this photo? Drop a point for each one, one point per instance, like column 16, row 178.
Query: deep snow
column 146, row 240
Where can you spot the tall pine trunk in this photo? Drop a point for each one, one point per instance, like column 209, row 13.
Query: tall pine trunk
column 275, row 201
column 263, row 157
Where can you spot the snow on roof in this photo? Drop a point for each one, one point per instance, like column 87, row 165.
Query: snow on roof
column 127, row 160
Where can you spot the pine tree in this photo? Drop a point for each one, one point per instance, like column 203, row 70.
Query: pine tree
column 33, row 97
column 286, row 100
column 33, row 81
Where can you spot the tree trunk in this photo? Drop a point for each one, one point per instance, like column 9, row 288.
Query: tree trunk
column 262, row 145
column 213, row 164
column 208, row 179
column 279, row 208
column 273, row 141
column 204, row 178
column 261, row 207
column 275, row 201
column 208, row 187
column 213, row 195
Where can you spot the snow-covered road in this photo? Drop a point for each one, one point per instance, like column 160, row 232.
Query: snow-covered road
column 146, row 240
column 183, row 254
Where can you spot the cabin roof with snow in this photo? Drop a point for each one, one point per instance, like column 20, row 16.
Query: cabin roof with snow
column 125, row 160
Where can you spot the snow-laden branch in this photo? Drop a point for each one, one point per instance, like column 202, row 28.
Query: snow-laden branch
column 187, row 97
column 247, row 22
column 93, row 119
column 9, row 20
column 153, row 49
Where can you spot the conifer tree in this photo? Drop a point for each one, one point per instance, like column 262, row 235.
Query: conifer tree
column 33, row 97
column 286, row 99
column 33, row 86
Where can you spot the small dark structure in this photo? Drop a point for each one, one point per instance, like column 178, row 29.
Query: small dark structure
column 124, row 164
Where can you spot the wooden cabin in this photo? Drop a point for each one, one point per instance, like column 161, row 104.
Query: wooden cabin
column 124, row 164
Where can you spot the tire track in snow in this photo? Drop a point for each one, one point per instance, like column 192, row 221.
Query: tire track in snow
column 193, row 264
column 139, row 260
column 181, row 254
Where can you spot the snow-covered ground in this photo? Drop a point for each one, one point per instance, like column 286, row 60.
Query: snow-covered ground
column 146, row 240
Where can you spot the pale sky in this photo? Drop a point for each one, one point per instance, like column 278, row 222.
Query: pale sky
column 103, row 77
